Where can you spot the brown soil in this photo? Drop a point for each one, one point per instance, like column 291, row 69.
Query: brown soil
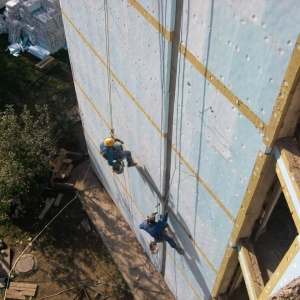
column 290, row 292
column 68, row 257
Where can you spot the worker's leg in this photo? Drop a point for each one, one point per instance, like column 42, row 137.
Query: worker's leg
column 165, row 236
column 130, row 162
column 128, row 156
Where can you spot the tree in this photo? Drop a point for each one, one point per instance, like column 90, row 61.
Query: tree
column 26, row 142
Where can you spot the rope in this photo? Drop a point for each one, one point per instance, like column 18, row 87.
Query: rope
column 162, row 46
column 108, row 65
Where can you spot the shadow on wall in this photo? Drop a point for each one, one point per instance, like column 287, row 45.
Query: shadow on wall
column 147, row 178
column 191, row 257
column 116, row 232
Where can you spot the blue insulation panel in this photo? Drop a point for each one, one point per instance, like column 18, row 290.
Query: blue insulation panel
column 121, row 66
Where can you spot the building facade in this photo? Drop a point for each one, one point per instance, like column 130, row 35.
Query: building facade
column 205, row 94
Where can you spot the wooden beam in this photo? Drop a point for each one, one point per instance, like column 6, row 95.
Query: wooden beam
column 250, row 268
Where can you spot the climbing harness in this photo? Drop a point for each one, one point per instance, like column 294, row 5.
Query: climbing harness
column 120, row 161
column 121, row 169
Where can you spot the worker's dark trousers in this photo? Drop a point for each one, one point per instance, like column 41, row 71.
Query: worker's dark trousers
column 166, row 237
column 121, row 153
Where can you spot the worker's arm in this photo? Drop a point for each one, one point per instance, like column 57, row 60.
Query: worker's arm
column 165, row 219
column 160, row 225
column 120, row 141
column 143, row 225
column 110, row 159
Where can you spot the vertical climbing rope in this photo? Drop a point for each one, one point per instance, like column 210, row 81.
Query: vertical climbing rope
column 108, row 65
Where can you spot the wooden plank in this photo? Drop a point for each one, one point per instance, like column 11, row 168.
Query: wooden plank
column 30, row 292
column 11, row 294
column 22, row 285
column 68, row 172
column 58, row 199
column 47, row 207
column 47, row 63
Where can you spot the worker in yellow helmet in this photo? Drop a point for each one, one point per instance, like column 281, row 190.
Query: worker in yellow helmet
column 112, row 150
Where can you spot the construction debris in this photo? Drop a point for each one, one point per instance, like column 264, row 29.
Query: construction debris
column 39, row 22
column 62, row 166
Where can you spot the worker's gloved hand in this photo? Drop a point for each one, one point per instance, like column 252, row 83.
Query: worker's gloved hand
column 120, row 141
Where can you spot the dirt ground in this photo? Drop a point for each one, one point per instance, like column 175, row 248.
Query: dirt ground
column 69, row 258
column 70, row 261
column 290, row 292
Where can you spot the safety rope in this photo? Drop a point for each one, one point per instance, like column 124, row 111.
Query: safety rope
column 108, row 66
column 162, row 46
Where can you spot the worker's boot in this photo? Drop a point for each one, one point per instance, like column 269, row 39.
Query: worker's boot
column 179, row 250
column 132, row 164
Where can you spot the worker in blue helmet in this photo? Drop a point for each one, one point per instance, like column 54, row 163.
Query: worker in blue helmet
column 159, row 231
column 112, row 150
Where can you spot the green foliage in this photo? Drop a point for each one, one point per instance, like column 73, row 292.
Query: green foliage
column 26, row 141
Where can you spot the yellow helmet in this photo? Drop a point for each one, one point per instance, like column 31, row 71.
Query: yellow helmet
column 109, row 142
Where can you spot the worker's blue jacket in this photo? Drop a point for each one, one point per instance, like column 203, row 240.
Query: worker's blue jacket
column 111, row 154
column 154, row 229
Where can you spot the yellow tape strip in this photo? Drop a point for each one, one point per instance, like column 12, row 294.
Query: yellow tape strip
column 284, row 99
column 280, row 270
column 244, row 109
column 203, row 183
column 164, row 135
column 159, row 27
column 91, row 103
